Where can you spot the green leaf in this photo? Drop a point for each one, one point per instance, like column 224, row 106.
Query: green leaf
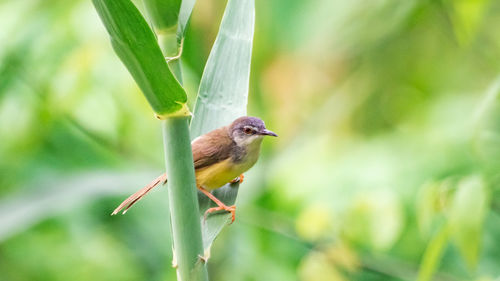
column 223, row 92
column 163, row 14
column 223, row 95
column 136, row 45
column 467, row 214
column 184, row 15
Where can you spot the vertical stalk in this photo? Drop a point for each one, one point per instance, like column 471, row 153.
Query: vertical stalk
column 182, row 195
column 186, row 228
column 169, row 47
column 136, row 45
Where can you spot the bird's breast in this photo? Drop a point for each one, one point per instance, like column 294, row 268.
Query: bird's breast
column 218, row 174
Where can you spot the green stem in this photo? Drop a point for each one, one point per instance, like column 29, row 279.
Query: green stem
column 186, row 228
column 169, row 47
column 182, row 195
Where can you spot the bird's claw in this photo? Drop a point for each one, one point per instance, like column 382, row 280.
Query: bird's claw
column 231, row 209
column 238, row 179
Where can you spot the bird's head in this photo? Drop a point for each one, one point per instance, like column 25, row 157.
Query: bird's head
column 247, row 130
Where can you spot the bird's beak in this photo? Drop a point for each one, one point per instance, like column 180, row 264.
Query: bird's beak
column 267, row 132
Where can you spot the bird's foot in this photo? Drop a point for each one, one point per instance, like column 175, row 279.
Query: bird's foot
column 231, row 209
column 238, row 179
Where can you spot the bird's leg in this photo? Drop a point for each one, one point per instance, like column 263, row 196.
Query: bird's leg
column 238, row 179
column 221, row 206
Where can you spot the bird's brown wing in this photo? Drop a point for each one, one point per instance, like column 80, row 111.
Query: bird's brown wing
column 208, row 149
column 211, row 148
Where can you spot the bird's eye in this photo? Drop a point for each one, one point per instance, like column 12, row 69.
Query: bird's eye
column 248, row 131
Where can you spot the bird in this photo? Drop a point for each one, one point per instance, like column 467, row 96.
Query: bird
column 220, row 156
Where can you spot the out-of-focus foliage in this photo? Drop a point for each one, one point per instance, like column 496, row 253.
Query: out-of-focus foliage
column 386, row 168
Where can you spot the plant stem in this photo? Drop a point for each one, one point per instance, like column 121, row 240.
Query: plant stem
column 182, row 195
column 186, row 228
column 169, row 47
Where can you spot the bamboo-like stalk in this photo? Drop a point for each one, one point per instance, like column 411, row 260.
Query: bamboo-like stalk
column 137, row 46
column 183, row 200
column 186, row 228
column 182, row 195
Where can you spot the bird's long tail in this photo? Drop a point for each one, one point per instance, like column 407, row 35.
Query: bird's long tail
column 132, row 199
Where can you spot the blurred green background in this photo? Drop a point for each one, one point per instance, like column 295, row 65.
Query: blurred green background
column 387, row 166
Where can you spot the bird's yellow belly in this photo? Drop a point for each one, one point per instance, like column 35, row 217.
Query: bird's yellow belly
column 217, row 175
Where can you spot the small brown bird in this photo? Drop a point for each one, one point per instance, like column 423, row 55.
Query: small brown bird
column 220, row 156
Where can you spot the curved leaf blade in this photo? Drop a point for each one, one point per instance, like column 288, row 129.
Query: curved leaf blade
column 223, row 95
column 223, row 92
column 136, row 46
column 184, row 15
